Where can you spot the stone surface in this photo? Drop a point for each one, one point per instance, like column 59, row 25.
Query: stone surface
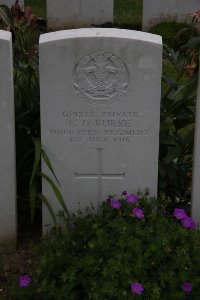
column 158, row 11
column 100, row 106
column 9, row 3
column 8, row 225
column 67, row 14
column 196, row 163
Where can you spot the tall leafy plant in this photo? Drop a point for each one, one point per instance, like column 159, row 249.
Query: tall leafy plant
column 177, row 123
column 25, row 36
column 34, row 187
column 25, row 33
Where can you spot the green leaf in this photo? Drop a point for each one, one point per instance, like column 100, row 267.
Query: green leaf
column 46, row 202
column 48, row 163
column 24, row 114
column 37, row 144
column 170, row 82
column 57, row 192
column 6, row 16
column 192, row 43
column 191, row 87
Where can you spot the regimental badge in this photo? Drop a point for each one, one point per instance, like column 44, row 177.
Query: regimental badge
column 100, row 78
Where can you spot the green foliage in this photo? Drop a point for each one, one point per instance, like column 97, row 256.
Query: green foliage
column 99, row 256
column 25, row 34
column 179, row 92
column 176, row 142
column 128, row 13
column 38, row 6
column 34, row 187
column 174, row 34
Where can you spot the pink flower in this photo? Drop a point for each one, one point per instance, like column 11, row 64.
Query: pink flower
column 138, row 212
column 115, row 203
column 131, row 198
column 188, row 222
column 196, row 14
column 180, row 213
column 187, row 287
column 137, row 288
column 24, row 281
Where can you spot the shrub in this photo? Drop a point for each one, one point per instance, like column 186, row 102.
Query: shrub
column 25, row 35
column 131, row 249
column 174, row 34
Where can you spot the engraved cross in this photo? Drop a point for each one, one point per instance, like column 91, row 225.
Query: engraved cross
column 99, row 176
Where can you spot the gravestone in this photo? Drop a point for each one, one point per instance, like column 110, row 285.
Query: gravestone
column 158, row 11
column 196, row 163
column 7, row 144
column 9, row 3
column 100, row 107
column 67, row 14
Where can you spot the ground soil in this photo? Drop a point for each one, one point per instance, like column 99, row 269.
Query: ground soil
column 18, row 262
column 15, row 264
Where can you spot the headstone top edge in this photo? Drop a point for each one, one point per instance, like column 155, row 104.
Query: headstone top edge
column 100, row 32
column 5, row 35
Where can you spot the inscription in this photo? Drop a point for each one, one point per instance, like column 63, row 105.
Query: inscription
column 106, row 114
column 93, row 127
column 113, row 123
column 100, row 78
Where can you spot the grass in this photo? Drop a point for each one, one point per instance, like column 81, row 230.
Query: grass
column 127, row 13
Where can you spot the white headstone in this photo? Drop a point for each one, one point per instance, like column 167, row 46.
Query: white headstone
column 68, row 14
column 7, row 143
column 9, row 3
column 196, row 163
column 158, row 11
column 100, row 108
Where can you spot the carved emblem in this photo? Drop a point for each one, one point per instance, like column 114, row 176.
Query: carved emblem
column 100, row 78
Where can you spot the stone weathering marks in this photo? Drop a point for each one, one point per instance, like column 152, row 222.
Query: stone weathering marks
column 157, row 11
column 9, row 3
column 67, row 14
column 100, row 107
column 7, row 145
